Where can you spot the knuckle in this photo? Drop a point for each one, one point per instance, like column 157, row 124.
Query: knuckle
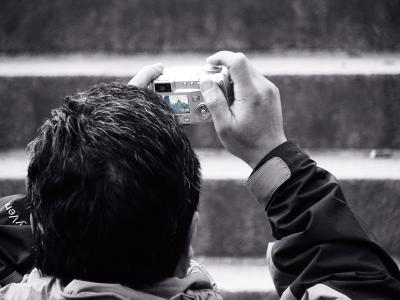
column 240, row 63
column 270, row 90
column 240, row 59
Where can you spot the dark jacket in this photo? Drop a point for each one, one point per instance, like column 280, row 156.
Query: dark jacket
column 16, row 242
column 321, row 252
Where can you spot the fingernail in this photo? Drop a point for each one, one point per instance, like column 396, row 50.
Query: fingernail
column 158, row 66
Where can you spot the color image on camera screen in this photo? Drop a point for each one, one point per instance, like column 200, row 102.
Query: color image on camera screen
column 178, row 103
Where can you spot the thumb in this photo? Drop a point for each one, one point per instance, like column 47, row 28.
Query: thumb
column 215, row 101
column 146, row 75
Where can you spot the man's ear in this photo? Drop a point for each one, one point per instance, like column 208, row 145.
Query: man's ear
column 193, row 229
column 184, row 262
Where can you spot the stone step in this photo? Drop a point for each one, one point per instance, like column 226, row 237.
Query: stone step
column 241, row 278
column 178, row 25
column 329, row 100
column 372, row 187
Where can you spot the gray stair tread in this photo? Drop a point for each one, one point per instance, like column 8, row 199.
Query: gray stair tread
column 269, row 64
column 221, row 165
column 371, row 187
column 344, row 164
column 143, row 25
column 239, row 274
column 340, row 101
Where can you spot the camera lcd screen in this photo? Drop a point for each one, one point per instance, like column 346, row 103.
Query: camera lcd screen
column 178, row 103
column 162, row 87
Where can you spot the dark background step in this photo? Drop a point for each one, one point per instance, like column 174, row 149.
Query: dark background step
column 320, row 111
column 131, row 26
column 233, row 224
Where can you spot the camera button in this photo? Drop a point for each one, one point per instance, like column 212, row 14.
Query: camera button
column 203, row 111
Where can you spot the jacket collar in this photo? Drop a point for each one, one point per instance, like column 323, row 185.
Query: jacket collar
column 196, row 279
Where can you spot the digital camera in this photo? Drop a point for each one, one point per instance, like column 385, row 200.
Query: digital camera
column 180, row 89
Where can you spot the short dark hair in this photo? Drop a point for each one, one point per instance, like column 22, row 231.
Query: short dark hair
column 113, row 184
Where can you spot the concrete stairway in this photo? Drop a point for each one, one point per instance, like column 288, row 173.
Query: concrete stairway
column 356, row 97
column 150, row 25
column 337, row 64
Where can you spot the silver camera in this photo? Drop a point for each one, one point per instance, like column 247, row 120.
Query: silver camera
column 180, row 89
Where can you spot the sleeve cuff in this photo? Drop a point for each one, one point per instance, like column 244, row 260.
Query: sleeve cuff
column 266, row 179
column 274, row 170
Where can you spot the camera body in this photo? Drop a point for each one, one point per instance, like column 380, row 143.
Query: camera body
column 180, row 89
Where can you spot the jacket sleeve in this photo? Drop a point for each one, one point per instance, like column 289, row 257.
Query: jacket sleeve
column 16, row 239
column 321, row 252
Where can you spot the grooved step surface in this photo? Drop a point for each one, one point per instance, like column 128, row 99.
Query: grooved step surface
column 243, row 278
column 328, row 101
column 221, row 165
column 131, row 26
column 372, row 188
column 321, row 63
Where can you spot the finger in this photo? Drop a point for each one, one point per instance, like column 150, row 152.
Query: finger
column 226, row 58
column 238, row 64
column 216, row 102
column 146, row 75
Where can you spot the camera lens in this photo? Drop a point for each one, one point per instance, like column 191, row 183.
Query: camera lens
column 162, row 87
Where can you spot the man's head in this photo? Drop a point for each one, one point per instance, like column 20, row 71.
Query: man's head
column 113, row 184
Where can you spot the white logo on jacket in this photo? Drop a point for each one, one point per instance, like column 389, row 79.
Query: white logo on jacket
column 13, row 216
